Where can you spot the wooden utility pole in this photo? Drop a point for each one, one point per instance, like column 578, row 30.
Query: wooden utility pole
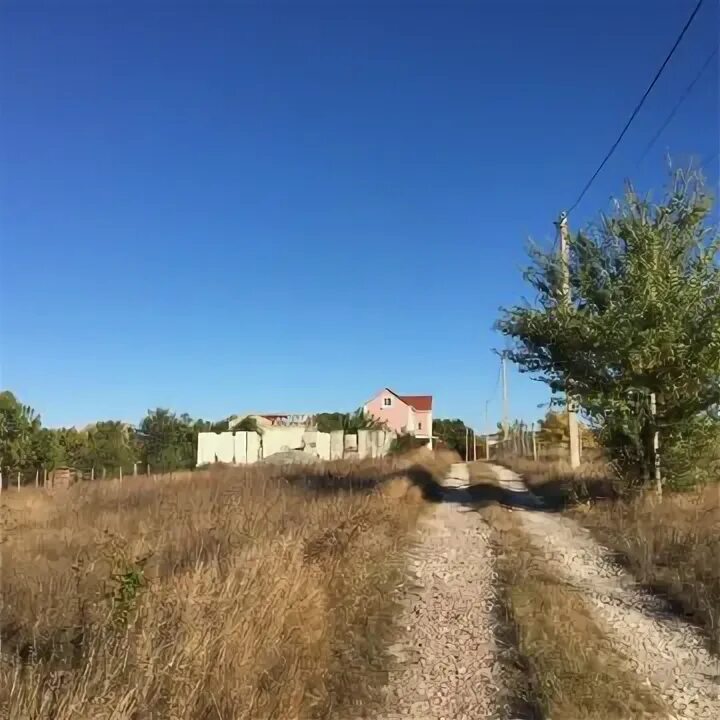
column 573, row 433
column 656, row 445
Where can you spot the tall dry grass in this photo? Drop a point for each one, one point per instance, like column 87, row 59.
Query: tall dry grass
column 571, row 670
column 232, row 593
column 671, row 544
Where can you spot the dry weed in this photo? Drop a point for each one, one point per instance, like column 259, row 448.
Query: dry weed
column 231, row 593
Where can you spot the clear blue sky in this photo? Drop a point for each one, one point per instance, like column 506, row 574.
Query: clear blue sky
column 286, row 206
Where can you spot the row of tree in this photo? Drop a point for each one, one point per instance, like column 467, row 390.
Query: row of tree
column 637, row 344
column 163, row 440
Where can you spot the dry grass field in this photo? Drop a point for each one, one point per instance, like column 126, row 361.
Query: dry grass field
column 229, row 593
column 570, row 669
column 672, row 545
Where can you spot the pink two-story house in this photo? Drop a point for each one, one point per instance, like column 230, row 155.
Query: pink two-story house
column 403, row 413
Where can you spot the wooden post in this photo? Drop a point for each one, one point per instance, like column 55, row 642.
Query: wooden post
column 37, row 477
column 18, row 484
column 121, row 473
column 474, row 446
column 104, row 473
column 1, row 481
column 562, row 225
column 467, row 449
column 134, row 469
column 147, row 472
column 656, row 445
column 534, row 443
column 44, row 477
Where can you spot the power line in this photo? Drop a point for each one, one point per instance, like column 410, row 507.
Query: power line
column 682, row 99
column 637, row 108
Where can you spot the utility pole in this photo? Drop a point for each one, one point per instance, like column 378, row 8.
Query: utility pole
column 467, row 440
column 562, row 225
column 656, row 445
column 506, row 411
column 487, row 432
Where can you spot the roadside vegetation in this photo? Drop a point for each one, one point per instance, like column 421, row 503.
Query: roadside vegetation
column 671, row 543
column 571, row 670
column 233, row 592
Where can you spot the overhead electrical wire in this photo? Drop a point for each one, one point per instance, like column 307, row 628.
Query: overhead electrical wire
column 682, row 99
column 613, row 147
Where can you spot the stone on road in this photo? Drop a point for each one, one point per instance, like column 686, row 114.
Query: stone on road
column 446, row 656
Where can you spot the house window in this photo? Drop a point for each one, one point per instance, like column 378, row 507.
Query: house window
column 387, row 402
column 419, row 426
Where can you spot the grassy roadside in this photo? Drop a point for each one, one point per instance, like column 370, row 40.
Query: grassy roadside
column 234, row 593
column 574, row 672
column 671, row 545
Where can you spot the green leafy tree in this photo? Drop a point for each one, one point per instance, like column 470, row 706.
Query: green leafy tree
column 169, row 442
column 644, row 318
column 75, row 446
column 47, row 449
column 111, row 445
column 452, row 433
column 18, row 425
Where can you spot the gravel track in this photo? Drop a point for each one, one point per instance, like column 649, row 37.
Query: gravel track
column 667, row 652
column 447, row 666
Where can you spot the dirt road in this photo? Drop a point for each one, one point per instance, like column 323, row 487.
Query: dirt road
column 666, row 652
column 447, row 655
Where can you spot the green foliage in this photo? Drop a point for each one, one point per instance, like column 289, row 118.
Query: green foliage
column 168, row 442
column 18, row 424
column 452, row 433
column 644, row 318
column 405, row 443
column 553, row 431
column 349, row 422
column 110, row 445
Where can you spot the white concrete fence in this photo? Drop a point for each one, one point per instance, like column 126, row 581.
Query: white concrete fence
column 243, row 448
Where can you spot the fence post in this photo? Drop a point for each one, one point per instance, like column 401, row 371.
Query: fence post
column 534, row 444
column 92, row 472
column 147, row 469
column 121, row 473
column 0, row 482
column 45, row 477
column 135, row 469
column 18, row 485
